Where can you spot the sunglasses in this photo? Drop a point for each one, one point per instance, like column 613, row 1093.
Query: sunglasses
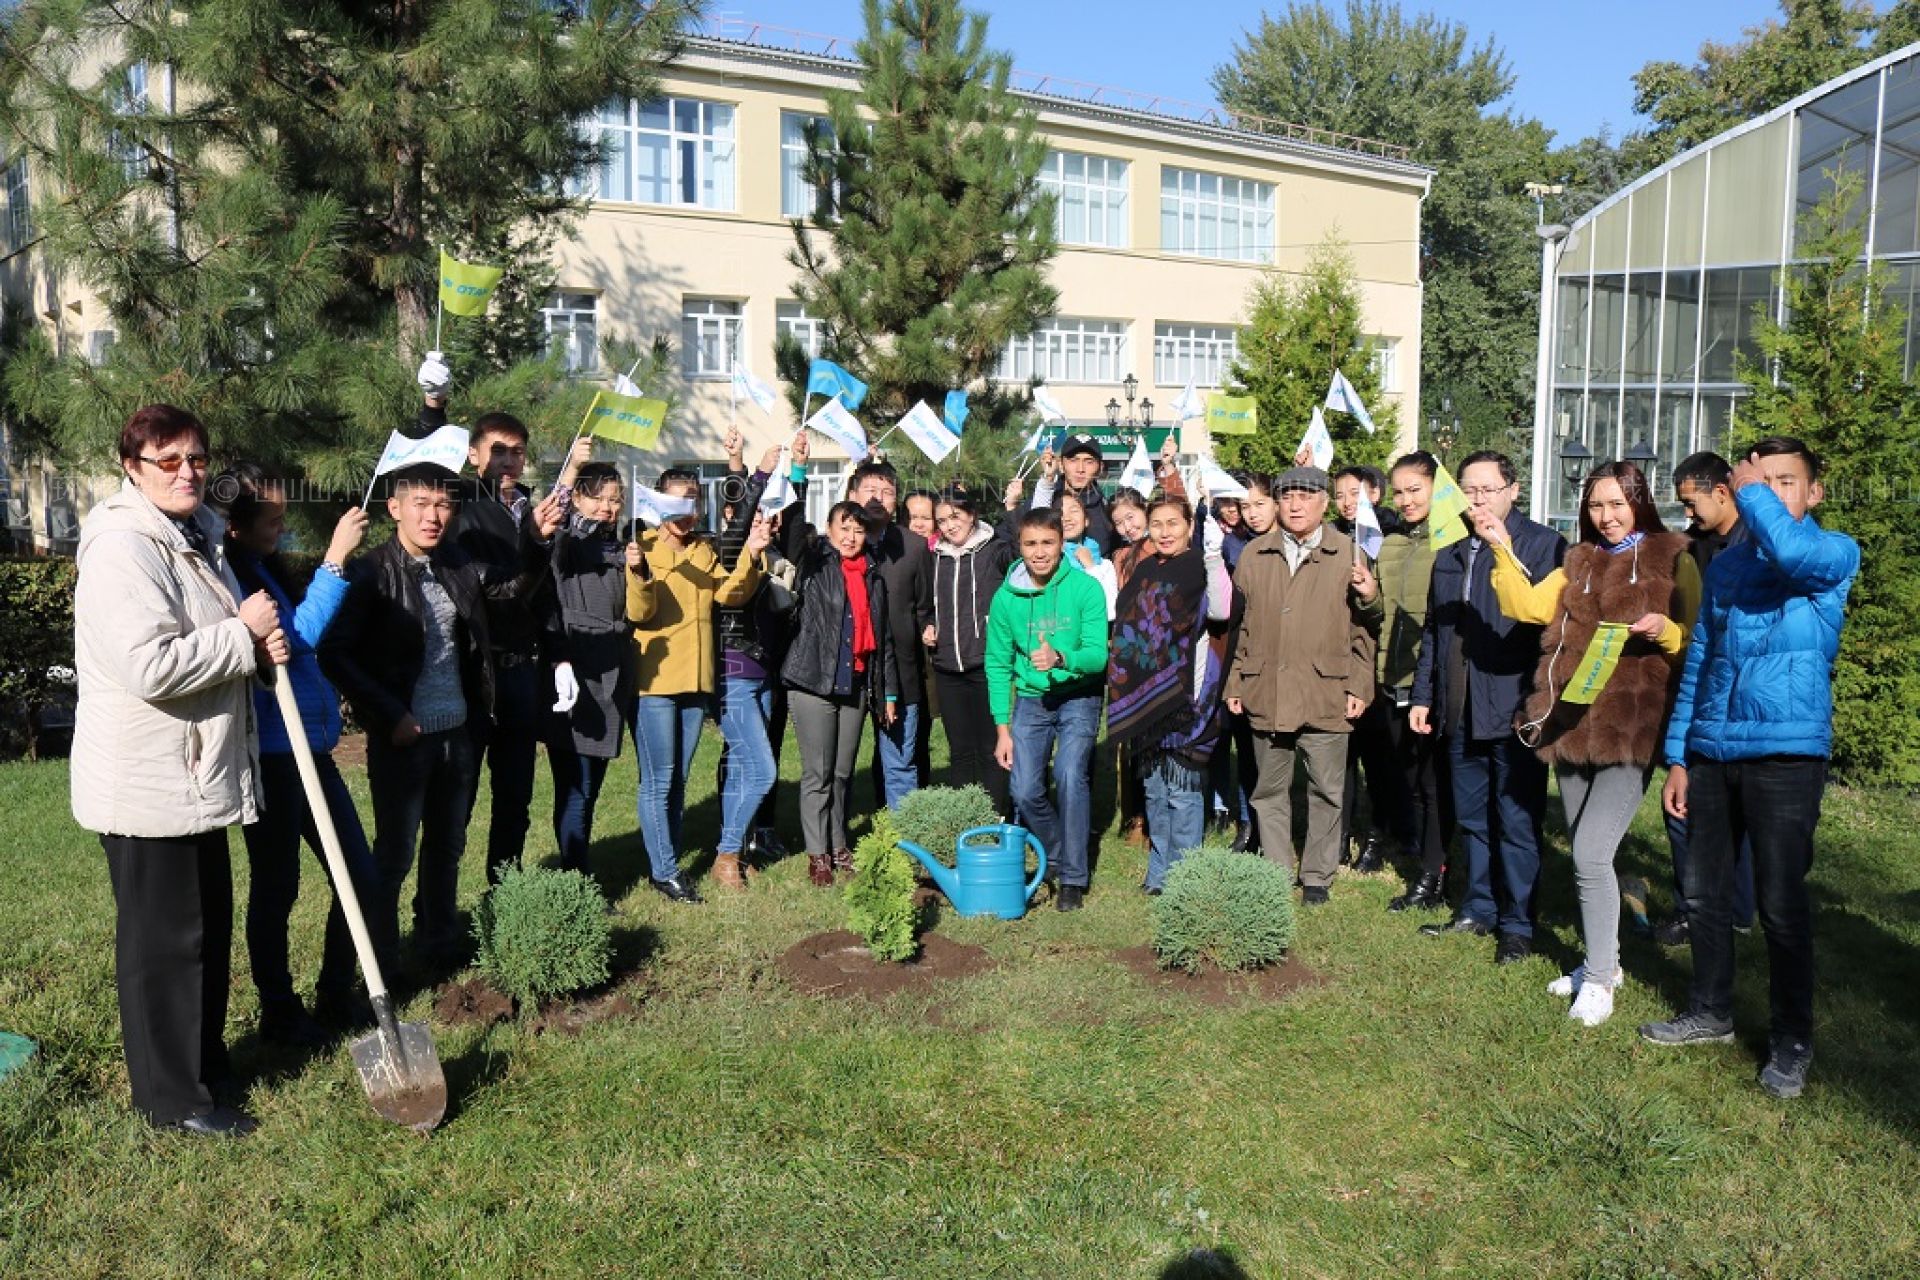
column 172, row 463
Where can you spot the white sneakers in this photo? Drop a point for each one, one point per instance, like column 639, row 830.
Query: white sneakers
column 1592, row 1001
column 1569, row 984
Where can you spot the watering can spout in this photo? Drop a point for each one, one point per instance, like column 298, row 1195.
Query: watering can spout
column 943, row 875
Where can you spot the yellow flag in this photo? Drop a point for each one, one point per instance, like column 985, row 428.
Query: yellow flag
column 625, row 419
column 1232, row 415
column 1597, row 665
column 1447, row 521
column 466, row 287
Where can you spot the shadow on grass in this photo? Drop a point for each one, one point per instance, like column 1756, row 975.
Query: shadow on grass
column 1204, row 1264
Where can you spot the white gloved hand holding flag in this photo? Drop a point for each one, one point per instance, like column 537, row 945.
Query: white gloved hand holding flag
column 433, row 376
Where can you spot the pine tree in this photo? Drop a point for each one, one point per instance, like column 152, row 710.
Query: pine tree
column 1298, row 332
column 266, row 241
column 1841, row 387
column 931, row 252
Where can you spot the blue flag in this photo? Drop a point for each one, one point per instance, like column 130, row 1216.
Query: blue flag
column 825, row 378
column 954, row 411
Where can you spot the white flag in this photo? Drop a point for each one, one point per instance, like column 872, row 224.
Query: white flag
column 1318, row 441
column 625, row 386
column 834, row 421
column 778, row 495
column 1139, row 473
column 929, row 430
column 1218, row 484
column 1366, row 527
column 446, row 447
column 1189, row 404
column 1050, row 410
column 1342, row 398
column 656, row 508
column 745, row 384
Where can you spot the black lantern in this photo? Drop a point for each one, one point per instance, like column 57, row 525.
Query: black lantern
column 1575, row 460
column 1130, row 387
column 1146, row 413
column 1641, row 455
column 1113, row 413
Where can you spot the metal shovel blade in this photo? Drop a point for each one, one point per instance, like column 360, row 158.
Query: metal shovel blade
column 401, row 1073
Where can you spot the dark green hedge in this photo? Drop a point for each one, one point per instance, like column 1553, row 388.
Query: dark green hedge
column 36, row 646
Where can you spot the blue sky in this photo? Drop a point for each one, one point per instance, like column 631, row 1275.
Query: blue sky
column 1572, row 71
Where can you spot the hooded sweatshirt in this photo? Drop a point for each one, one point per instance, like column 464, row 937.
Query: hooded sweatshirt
column 1070, row 613
column 965, row 579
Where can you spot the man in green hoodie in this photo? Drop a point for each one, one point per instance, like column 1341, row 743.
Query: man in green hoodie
column 1046, row 665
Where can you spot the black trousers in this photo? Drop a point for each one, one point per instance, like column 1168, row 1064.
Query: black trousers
column 1390, row 812
column 172, row 945
column 1428, row 790
column 967, row 717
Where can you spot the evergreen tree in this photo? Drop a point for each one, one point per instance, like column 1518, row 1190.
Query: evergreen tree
column 930, row 248
column 265, row 237
column 1840, row 387
column 1298, row 332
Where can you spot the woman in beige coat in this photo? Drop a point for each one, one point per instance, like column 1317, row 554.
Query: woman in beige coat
column 164, row 757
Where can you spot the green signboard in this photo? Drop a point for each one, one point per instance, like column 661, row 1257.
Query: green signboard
column 1116, row 443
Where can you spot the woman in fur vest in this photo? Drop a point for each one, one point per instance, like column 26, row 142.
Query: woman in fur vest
column 1628, row 590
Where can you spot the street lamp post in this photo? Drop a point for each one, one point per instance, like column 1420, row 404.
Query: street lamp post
column 1135, row 422
column 1641, row 455
column 1443, row 429
column 1575, row 461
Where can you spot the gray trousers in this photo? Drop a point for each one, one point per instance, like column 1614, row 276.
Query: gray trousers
column 828, row 730
column 1600, row 805
column 1325, row 755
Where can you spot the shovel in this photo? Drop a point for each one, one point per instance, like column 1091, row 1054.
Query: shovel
column 396, row 1061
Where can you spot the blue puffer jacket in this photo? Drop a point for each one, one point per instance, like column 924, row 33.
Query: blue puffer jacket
column 1759, row 677
column 319, row 703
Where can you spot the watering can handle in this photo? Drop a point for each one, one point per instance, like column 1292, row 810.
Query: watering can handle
column 1039, row 872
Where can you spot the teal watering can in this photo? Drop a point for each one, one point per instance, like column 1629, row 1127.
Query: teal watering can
column 989, row 875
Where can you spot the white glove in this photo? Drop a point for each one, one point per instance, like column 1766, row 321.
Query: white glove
column 1213, row 538
column 566, row 689
column 433, row 375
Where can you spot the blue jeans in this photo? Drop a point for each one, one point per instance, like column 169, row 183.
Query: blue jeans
column 511, row 753
column 1065, row 729
column 424, row 790
column 666, row 730
column 1176, row 816
column 746, row 706
column 1499, row 798
column 273, row 860
column 576, row 789
column 895, row 748
column 1679, row 843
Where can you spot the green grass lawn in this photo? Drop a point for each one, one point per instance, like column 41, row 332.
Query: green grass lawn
column 1418, row 1113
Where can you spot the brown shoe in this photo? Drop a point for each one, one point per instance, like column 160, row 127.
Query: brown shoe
column 843, row 860
column 726, row 871
column 820, row 869
column 1135, row 832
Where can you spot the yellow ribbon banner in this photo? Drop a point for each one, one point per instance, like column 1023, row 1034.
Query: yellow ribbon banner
column 1232, row 415
column 630, row 420
column 1446, row 517
column 1596, row 668
column 466, row 287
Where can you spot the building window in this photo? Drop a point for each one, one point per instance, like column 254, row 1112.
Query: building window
column 1090, row 198
column 1067, row 349
column 19, row 205
column 709, row 337
column 794, row 322
column 1197, row 353
column 1386, row 364
column 1209, row 215
column 670, row 151
column 573, row 330
column 798, row 197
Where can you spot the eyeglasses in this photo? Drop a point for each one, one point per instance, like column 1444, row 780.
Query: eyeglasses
column 172, row 463
column 1486, row 491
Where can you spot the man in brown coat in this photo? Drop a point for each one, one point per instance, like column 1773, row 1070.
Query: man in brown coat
column 1303, row 671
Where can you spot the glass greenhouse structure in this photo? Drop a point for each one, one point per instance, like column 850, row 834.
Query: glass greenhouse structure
column 1648, row 298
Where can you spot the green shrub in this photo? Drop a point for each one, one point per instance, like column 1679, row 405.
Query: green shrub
column 880, row 906
column 36, row 644
column 543, row 933
column 934, row 817
column 1233, row 910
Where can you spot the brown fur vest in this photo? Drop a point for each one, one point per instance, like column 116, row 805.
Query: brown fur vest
column 1625, row 723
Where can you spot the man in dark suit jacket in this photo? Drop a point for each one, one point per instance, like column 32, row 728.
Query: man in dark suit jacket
column 1475, row 668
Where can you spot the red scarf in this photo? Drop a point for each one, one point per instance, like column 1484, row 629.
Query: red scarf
column 853, row 570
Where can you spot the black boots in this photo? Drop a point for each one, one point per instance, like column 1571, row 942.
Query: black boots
column 1424, row 895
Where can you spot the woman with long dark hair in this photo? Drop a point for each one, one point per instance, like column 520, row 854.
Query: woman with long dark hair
column 969, row 563
column 1627, row 592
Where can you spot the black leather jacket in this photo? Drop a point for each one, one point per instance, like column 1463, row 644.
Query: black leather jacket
column 376, row 645
column 817, row 657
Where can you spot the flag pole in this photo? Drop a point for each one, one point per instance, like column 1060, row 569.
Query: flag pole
column 437, row 314
column 369, row 498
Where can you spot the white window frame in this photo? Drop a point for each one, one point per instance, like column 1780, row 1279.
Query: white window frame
column 704, row 321
column 793, row 161
column 710, row 146
column 130, row 99
column 1068, row 350
column 1386, row 363
column 1197, row 353
column 1100, row 185
column 790, row 317
column 19, row 195
column 1212, row 215
column 573, row 322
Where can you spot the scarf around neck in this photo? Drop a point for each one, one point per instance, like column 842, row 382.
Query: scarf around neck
column 1160, row 620
column 853, row 572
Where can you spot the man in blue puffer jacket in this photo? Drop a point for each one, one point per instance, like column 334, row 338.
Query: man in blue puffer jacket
column 1748, row 743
